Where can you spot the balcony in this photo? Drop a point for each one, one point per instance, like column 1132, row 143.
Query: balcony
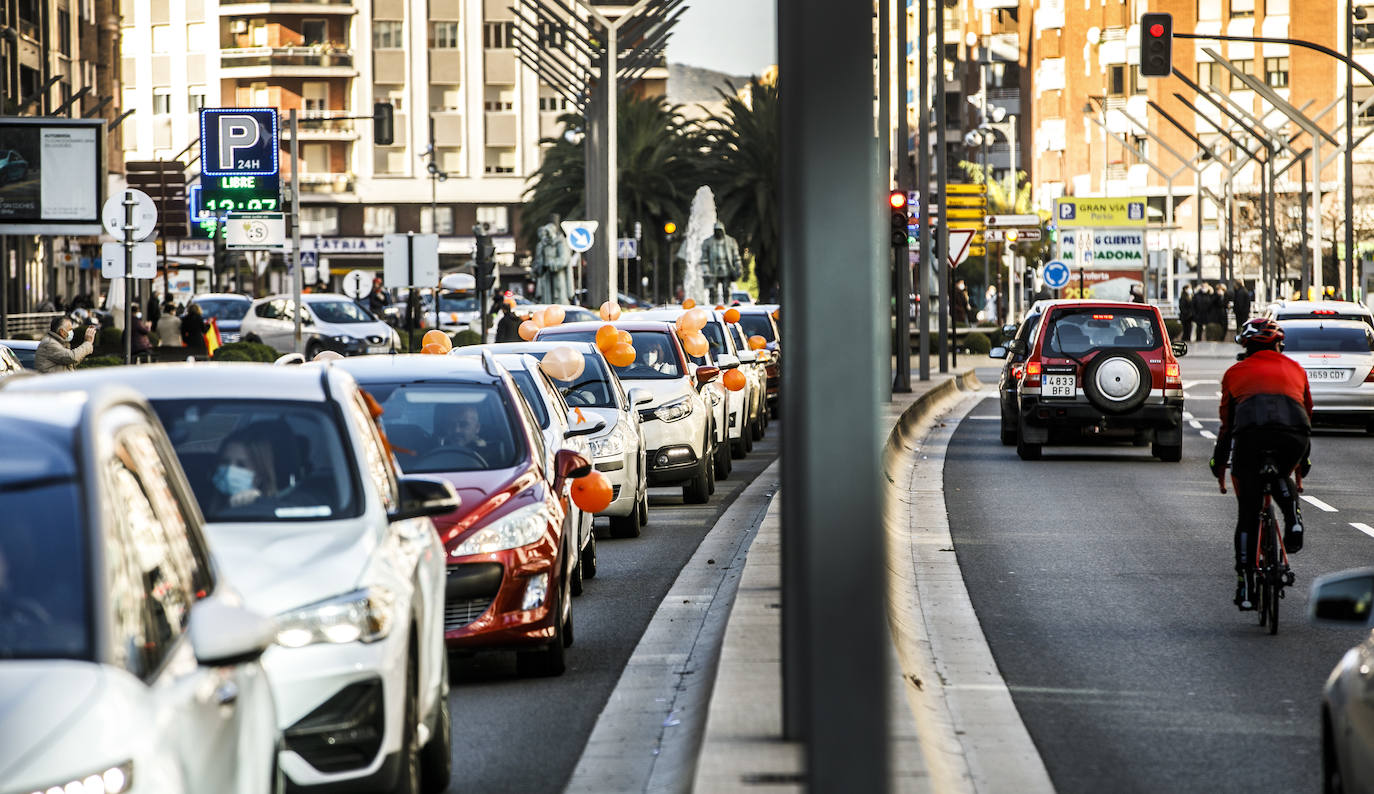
column 237, row 8
column 326, row 183
column 316, row 125
column 319, row 60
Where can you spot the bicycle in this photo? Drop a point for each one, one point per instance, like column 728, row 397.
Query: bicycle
column 1271, row 570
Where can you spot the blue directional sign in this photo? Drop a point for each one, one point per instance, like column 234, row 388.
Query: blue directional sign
column 1056, row 274
column 581, row 234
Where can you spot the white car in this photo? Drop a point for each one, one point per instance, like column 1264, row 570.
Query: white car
column 1319, row 310
column 681, row 424
column 1339, row 358
column 328, row 322
column 618, row 448
column 306, row 514
column 127, row 664
column 1346, row 600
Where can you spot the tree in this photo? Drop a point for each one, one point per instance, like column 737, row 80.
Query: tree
column 1004, row 199
column 741, row 163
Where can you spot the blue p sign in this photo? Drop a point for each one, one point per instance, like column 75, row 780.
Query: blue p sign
column 239, row 142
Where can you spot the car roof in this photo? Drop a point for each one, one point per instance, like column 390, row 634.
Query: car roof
column 1095, row 304
column 20, row 344
column 191, row 381
column 43, row 426
column 222, row 296
column 503, row 348
column 1340, row 307
column 671, row 313
column 416, row 366
column 623, row 325
column 309, row 297
column 1314, row 322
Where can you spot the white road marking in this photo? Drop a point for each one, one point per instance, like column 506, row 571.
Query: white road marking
column 1365, row 528
column 1209, row 434
column 1319, row 504
column 1188, row 384
column 1195, row 424
column 1188, row 416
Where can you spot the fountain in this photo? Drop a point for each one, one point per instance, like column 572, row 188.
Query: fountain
column 701, row 222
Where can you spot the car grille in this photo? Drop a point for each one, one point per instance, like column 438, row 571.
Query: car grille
column 229, row 337
column 615, row 492
column 460, row 612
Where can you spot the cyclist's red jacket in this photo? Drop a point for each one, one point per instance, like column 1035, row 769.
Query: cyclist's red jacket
column 1265, row 391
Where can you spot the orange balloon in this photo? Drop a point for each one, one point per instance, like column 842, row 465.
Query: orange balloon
column 695, row 319
column 626, row 339
column 732, row 315
column 610, row 311
column 757, row 342
column 695, row 344
column 689, row 303
column 553, row 315
column 433, row 349
column 621, row 355
column 437, row 337
column 592, row 493
column 734, row 380
column 777, row 314
column 720, row 307
column 528, row 330
column 607, row 337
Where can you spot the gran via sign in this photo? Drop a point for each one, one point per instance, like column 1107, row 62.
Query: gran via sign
column 1103, row 249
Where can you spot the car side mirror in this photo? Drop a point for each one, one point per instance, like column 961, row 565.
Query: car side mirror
column 1009, row 329
column 705, row 375
column 727, row 361
column 640, row 397
column 997, row 352
column 748, row 356
column 1343, row 599
column 223, row 632
column 1180, row 349
column 569, row 465
column 424, row 496
column 1017, row 347
column 587, row 430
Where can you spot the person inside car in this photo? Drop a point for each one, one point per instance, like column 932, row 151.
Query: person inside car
column 462, row 428
column 245, row 472
column 1266, row 415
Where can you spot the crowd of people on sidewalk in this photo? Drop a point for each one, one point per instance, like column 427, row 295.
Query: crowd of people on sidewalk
column 1212, row 303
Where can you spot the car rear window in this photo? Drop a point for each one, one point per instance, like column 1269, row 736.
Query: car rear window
column 440, row 427
column 1076, row 331
column 756, row 324
column 1320, row 339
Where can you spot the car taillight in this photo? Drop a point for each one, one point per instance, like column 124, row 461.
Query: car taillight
column 1017, row 370
column 1171, row 372
column 1370, row 377
column 1032, row 373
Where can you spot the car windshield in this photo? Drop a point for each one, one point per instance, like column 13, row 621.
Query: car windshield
column 1320, row 339
column 25, row 356
column 757, row 325
column 655, row 358
column 263, row 460
column 440, row 427
column 524, row 381
column 593, row 389
column 223, row 309
column 44, row 600
column 458, row 302
column 1081, row 330
column 342, row 312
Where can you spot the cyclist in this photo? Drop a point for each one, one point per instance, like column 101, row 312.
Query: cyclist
column 1266, row 412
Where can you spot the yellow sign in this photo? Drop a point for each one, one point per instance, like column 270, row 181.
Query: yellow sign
column 977, row 250
column 1100, row 213
column 966, row 190
column 966, row 201
column 963, row 212
column 977, row 225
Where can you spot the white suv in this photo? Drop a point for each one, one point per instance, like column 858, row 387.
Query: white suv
column 306, row 514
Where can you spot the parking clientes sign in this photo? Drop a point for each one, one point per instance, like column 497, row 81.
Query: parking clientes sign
column 1104, row 249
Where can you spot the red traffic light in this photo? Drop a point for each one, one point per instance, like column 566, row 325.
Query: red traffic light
column 897, row 199
column 1156, row 30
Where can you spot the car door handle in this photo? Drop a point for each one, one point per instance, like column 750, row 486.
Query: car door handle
column 227, row 693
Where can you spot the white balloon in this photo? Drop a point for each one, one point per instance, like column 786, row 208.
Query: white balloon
column 563, row 363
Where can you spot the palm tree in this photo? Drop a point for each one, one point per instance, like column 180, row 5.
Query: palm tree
column 741, row 164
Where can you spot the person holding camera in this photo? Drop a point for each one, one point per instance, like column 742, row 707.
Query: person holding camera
column 55, row 353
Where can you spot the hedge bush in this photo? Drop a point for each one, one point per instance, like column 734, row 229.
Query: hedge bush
column 1174, row 328
column 245, row 351
column 1213, row 332
column 110, row 341
column 91, row 362
column 466, row 337
column 977, row 343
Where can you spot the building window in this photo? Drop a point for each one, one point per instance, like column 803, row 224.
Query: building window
column 387, row 35
column 445, row 216
column 496, row 219
column 497, row 35
column 162, row 39
column 1209, row 74
column 257, row 32
column 1242, row 8
column 550, row 104
column 162, row 101
column 443, row 35
column 1276, row 72
column 319, row 220
column 1246, row 67
column 195, row 99
column 315, row 97
column 379, row 220
column 1138, row 86
column 445, row 99
column 1117, row 77
column 128, row 46
column 314, row 31
column 195, row 37
column 64, row 32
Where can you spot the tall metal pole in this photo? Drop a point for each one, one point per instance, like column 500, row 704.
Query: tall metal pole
column 830, row 212
column 1306, row 280
column 610, row 234
column 1318, row 266
column 129, row 204
column 901, row 382
column 1349, row 151
column 297, row 276
column 923, row 181
column 942, row 178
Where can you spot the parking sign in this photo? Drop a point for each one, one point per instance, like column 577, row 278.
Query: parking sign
column 239, row 142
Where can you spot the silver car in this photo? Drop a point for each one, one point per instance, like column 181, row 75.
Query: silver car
column 1346, row 599
column 1339, row 358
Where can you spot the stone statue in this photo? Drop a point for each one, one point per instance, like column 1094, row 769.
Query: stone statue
column 720, row 264
column 550, row 268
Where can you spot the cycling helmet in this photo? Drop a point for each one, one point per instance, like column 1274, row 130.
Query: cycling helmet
column 1261, row 332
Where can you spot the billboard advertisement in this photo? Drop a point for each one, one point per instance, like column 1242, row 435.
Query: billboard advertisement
column 1104, row 249
column 1099, row 212
column 52, row 175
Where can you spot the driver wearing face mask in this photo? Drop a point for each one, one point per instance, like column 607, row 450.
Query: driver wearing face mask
column 55, row 353
column 244, row 473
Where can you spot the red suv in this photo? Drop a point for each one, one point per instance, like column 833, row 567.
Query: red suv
column 1100, row 370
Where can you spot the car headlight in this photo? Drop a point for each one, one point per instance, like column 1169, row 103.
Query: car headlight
column 111, row 780
column 521, row 528
column 672, row 412
column 360, row 616
column 342, row 339
column 607, row 446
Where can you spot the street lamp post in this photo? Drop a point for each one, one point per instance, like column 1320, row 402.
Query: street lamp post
column 437, row 175
column 1352, row 13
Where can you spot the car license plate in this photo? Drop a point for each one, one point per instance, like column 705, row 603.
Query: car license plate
column 376, row 350
column 1329, row 375
column 1059, row 386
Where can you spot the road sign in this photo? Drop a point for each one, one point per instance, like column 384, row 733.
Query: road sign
column 976, row 226
column 967, row 201
column 145, row 214
column 309, row 258
column 977, row 250
column 1013, row 220
column 966, row 190
column 1028, row 235
column 357, row 284
column 581, row 234
column 264, row 230
column 1056, row 274
column 965, row 213
column 165, row 183
column 144, row 260
column 959, row 240
column 626, row 248
column 410, row 260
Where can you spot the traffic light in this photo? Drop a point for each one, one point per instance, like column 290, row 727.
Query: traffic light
column 1156, row 45
column 896, row 200
column 383, row 123
column 670, row 228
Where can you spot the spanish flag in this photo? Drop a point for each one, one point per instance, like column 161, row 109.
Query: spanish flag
column 212, row 340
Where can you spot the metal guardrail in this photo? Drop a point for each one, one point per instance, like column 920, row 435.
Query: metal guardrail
column 35, row 324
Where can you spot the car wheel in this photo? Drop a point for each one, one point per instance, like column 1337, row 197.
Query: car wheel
column 1008, row 433
column 747, row 433
column 760, row 422
column 1167, row 453
column 628, row 526
column 1331, row 763
column 697, row 490
column 711, row 467
column 436, row 759
column 575, row 582
column 1026, row 450
column 409, row 780
column 722, row 461
column 644, row 506
column 737, row 447
column 1117, row 381
column 589, row 558
column 312, row 350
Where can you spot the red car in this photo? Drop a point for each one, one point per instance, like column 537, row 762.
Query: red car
column 509, row 556
column 1100, row 370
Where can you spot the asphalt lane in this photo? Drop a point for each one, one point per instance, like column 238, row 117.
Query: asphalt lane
column 526, row 734
column 1103, row 580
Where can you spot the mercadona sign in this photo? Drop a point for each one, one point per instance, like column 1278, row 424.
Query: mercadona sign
column 1103, row 249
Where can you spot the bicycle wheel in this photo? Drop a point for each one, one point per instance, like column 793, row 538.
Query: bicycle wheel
column 1272, row 574
column 1257, row 597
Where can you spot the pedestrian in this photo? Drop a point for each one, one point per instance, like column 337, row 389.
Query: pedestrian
column 168, row 326
column 1185, row 311
column 55, row 353
column 378, row 299
column 193, row 331
column 1240, row 304
column 154, row 311
column 508, row 327
column 1221, row 309
column 959, row 304
column 1202, row 309
column 990, row 306
column 1137, row 294
column 142, row 348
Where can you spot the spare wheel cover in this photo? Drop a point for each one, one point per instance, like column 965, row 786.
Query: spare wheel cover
column 1117, row 381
